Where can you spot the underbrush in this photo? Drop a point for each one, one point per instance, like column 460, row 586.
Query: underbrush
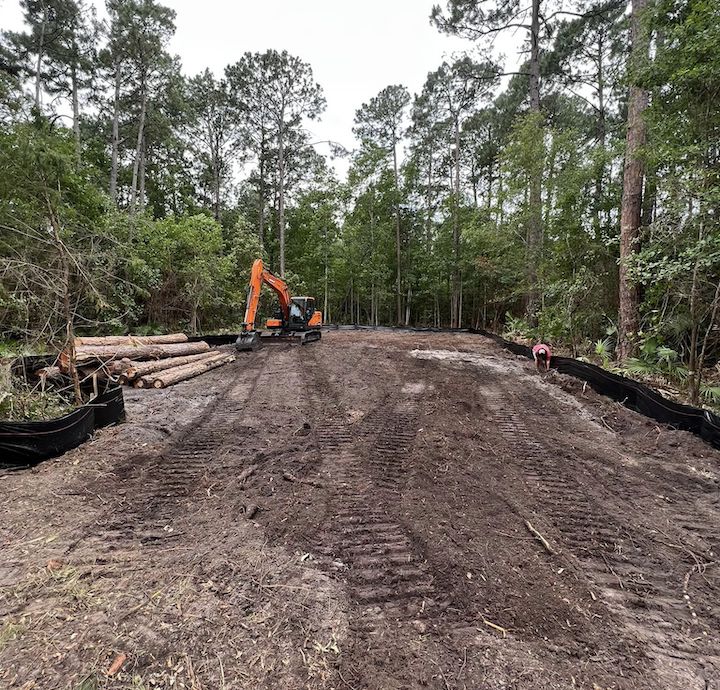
column 22, row 402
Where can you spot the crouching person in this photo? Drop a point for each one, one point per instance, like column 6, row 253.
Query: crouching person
column 541, row 355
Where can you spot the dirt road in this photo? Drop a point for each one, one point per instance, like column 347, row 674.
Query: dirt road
column 377, row 511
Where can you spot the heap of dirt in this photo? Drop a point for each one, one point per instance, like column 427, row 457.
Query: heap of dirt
column 378, row 510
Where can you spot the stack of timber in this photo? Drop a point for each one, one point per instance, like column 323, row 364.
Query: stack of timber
column 153, row 361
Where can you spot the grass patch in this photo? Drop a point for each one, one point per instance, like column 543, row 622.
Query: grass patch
column 72, row 588
column 88, row 683
column 10, row 631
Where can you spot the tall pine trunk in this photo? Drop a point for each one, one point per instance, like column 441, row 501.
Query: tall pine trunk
column 398, row 279
column 215, row 153
column 262, row 192
column 601, row 136
column 76, row 114
column 281, row 196
column 455, row 307
column 534, row 224
column 428, row 196
column 38, row 64
column 138, row 149
column 141, row 184
column 631, row 210
column 115, row 135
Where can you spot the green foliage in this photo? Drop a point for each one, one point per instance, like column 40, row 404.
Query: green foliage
column 656, row 359
column 516, row 328
column 604, row 348
column 24, row 403
column 188, row 272
column 710, row 394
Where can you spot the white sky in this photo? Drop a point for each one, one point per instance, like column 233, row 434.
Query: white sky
column 355, row 48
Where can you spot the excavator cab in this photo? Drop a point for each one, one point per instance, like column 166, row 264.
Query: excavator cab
column 305, row 316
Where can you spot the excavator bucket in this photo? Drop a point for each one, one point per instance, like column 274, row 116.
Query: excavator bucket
column 248, row 341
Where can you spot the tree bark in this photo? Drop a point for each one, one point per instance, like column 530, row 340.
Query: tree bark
column 631, row 210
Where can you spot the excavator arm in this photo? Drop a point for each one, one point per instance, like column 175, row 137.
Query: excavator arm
column 258, row 276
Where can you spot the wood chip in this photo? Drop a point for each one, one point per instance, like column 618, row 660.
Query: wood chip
column 116, row 665
column 246, row 473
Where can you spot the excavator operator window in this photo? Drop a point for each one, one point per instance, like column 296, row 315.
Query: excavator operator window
column 309, row 308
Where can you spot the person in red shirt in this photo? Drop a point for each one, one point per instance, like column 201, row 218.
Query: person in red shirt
column 541, row 355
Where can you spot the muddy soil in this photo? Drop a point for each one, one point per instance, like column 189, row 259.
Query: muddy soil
column 381, row 511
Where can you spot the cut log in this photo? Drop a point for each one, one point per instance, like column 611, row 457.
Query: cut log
column 121, row 340
column 135, row 352
column 137, row 369
column 155, row 379
column 167, row 377
column 119, row 367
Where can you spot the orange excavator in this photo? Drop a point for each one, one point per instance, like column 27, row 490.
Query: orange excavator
column 295, row 320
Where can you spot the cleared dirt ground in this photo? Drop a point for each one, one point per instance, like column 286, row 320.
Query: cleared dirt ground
column 358, row 513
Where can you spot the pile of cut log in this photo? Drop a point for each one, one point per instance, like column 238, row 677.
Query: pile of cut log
column 153, row 361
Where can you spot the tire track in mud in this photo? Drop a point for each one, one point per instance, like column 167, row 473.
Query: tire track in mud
column 366, row 463
column 157, row 489
column 617, row 556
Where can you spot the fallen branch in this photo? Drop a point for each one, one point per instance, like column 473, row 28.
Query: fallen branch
column 287, row 476
column 539, row 537
column 499, row 628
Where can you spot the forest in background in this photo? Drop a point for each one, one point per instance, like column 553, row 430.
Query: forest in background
column 574, row 198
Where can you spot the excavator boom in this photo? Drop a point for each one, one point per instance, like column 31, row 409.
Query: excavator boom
column 298, row 318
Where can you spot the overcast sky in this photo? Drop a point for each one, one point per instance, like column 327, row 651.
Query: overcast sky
column 355, row 48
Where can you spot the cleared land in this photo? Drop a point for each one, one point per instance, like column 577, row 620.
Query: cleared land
column 378, row 511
